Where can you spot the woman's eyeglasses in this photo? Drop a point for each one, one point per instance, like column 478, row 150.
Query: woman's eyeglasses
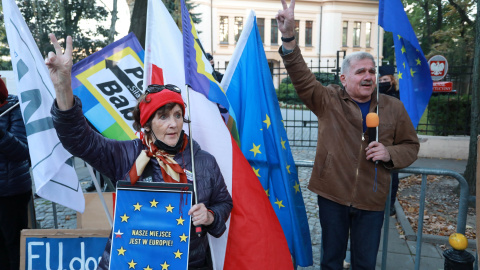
column 155, row 88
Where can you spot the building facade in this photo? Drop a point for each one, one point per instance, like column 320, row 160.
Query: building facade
column 325, row 29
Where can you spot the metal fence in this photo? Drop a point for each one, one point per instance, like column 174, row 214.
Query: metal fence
column 446, row 114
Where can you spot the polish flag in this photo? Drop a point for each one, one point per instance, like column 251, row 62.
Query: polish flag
column 254, row 238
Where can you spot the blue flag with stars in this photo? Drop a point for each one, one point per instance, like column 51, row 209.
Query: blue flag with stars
column 416, row 85
column 151, row 229
column 249, row 87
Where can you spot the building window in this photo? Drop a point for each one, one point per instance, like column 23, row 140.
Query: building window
column 238, row 27
column 297, row 30
column 223, row 29
column 261, row 28
column 344, row 36
column 274, row 32
column 356, row 34
column 368, row 34
column 308, row 33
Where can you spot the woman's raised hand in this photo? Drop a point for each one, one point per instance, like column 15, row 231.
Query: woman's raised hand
column 60, row 67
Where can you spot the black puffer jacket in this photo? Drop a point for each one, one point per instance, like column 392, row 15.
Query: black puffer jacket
column 115, row 159
column 14, row 157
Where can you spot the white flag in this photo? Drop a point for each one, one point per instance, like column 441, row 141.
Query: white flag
column 52, row 166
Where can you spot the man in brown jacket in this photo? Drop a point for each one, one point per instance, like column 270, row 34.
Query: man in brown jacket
column 351, row 174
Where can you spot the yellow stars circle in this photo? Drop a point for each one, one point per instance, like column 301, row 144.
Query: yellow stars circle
column 169, row 208
column 419, row 63
column 255, row 150
column 121, row 251
column 403, row 50
column 288, row 169
column 267, row 121
column 137, row 207
column 256, row 171
column 124, row 218
column 283, row 143
column 180, row 221
column 153, row 203
column 165, row 266
column 178, row 254
column 132, row 264
column 296, row 187
column 183, row 238
column 147, row 268
column 279, row 203
column 400, row 75
column 412, row 72
column 266, row 192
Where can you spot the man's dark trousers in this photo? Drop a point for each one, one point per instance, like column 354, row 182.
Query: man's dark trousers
column 365, row 230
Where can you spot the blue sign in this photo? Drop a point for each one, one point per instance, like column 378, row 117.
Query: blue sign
column 64, row 253
column 151, row 229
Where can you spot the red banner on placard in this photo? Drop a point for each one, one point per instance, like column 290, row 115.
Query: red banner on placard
column 442, row 86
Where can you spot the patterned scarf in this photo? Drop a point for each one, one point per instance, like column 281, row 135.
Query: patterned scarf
column 172, row 172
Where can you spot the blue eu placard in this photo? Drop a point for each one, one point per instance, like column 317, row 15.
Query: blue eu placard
column 151, row 228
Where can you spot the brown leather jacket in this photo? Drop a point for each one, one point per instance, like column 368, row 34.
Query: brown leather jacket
column 341, row 172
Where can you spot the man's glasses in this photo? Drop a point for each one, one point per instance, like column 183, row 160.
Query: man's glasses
column 155, row 88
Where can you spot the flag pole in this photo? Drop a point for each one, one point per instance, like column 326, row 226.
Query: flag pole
column 9, row 109
column 97, row 187
column 378, row 73
column 198, row 229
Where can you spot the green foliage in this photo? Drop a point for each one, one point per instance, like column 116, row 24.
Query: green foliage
column 286, row 92
column 449, row 117
column 62, row 18
column 444, row 27
column 174, row 7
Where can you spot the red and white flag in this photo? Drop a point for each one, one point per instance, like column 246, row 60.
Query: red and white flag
column 254, row 238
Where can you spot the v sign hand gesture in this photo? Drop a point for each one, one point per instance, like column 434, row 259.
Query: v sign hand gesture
column 286, row 23
column 60, row 66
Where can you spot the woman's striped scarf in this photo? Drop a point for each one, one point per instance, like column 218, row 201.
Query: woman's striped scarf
column 172, row 172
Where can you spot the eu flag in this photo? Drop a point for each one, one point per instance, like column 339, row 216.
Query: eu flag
column 416, row 85
column 249, row 87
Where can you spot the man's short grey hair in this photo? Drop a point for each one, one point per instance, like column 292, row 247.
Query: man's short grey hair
column 347, row 62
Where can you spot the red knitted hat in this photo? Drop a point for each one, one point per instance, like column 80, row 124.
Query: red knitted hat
column 3, row 91
column 155, row 101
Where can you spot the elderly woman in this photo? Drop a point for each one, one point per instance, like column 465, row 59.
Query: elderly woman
column 162, row 146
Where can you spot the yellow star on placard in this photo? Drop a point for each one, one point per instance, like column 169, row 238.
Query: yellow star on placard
column 256, row 171
column 183, row 238
column 400, row 75
column 137, row 207
column 279, row 203
column 403, row 50
column 419, row 63
column 255, row 150
column 288, row 169
column 180, row 220
column 165, row 266
column 266, row 192
column 283, row 143
column 121, row 251
column 178, row 254
column 169, row 208
column 267, row 121
column 412, row 72
column 153, row 203
column 399, row 37
column 147, row 268
column 296, row 187
column 132, row 264
column 124, row 218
